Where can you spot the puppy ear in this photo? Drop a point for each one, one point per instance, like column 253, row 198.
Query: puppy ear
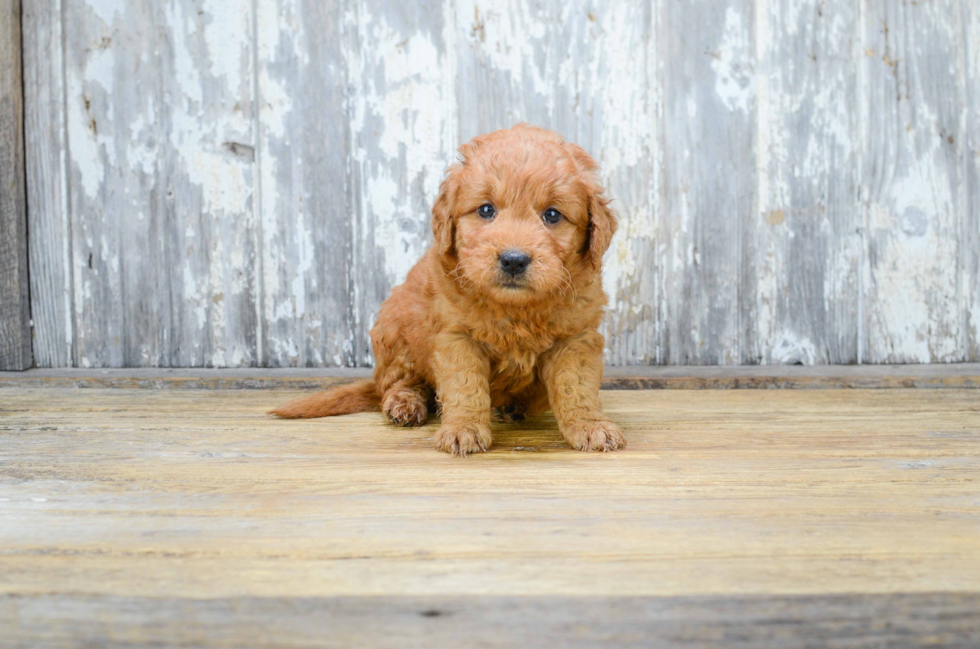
column 443, row 221
column 602, row 220
column 602, row 226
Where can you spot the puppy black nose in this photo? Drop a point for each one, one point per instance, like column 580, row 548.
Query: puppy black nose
column 514, row 262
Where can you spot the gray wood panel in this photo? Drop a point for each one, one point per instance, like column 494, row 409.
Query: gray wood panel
column 631, row 377
column 801, row 262
column 797, row 182
column 305, row 216
column 47, row 184
column 971, row 152
column 161, row 136
column 15, row 317
column 708, row 54
column 833, row 621
column 911, row 108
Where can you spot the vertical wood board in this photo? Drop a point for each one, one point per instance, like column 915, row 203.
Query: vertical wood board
column 160, row 129
column 912, row 103
column 800, row 266
column 15, row 317
column 47, row 154
column 303, row 153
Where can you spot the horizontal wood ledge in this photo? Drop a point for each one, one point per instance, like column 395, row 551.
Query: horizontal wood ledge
column 959, row 375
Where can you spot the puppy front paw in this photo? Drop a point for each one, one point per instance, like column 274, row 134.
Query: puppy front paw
column 460, row 440
column 594, row 436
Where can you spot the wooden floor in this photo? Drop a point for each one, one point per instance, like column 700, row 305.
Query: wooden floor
column 774, row 518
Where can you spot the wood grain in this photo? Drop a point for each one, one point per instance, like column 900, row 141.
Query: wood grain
column 427, row 622
column 709, row 169
column 970, row 147
column 800, row 282
column 143, row 514
column 47, row 185
column 912, row 108
column 306, row 206
column 15, row 315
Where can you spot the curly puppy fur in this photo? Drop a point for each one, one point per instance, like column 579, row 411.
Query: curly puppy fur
column 483, row 339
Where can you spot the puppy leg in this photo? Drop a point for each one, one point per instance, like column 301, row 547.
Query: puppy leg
column 463, row 376
column 405, row 404
column 572, row 373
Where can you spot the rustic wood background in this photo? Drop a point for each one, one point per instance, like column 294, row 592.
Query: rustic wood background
column 240, row 182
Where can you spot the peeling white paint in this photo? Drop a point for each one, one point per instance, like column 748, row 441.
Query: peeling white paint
column 91, row 148
column 226, row 21
column 107, row 10
column 733, row 63
column 400, row 116
column 791, row 350
column 915, row 284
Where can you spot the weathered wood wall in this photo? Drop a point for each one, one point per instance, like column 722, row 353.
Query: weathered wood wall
column 15, row 328
column 240, row 182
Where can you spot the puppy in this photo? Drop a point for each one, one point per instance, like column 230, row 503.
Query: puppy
column 499, row 318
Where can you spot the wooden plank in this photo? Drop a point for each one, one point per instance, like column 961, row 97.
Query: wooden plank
column 403, row 130
column 832, row 621
column 710, row 176
column 970, row 245
column 959, row 375
column 125, row 510
column 161, row 137
column 912, row 108
column 588, row 71
column 801, row 263
column 15, row 315
column 306, row 208
column 47, row 184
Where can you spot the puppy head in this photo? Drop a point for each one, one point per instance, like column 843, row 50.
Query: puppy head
column 522, row 217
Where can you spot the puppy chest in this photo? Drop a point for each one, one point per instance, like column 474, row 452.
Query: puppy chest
column 514, row 353
column 513, row 371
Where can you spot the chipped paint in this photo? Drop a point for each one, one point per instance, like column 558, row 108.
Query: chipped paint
column 731, row 61
column 399, row 102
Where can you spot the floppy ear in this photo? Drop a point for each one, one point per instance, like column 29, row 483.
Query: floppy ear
column 443, row 220
column 602, row 220
column 602, row 226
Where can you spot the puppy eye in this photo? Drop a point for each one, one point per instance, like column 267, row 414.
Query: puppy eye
column 486, row 211
column 551, row 215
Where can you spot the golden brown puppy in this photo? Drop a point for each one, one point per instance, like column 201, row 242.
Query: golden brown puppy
column 500, row 316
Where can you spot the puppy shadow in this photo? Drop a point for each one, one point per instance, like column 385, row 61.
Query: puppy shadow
column 537, row 434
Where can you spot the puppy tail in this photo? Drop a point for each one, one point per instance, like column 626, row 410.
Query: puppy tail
column 341, row 400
